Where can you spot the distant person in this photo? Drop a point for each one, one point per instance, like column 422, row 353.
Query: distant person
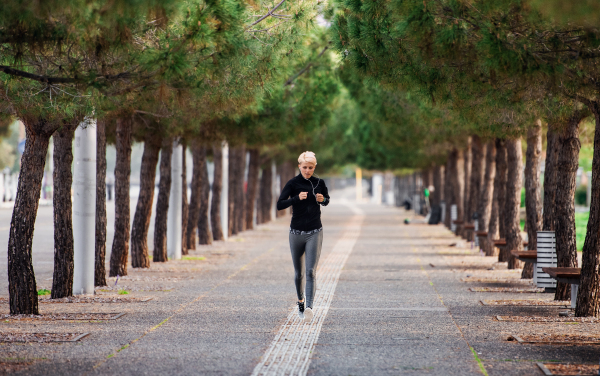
column 426, row 192
column 305, row 193
column 109, row 187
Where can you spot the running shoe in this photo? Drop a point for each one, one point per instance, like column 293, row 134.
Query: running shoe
column 300, row 310
column 308, row 314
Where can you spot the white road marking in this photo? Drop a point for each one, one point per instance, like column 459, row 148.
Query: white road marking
column 290, row 351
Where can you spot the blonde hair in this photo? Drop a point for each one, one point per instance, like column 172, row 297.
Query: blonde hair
column 308, row 157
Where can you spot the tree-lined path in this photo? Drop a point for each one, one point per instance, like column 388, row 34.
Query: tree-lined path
column 399, row 307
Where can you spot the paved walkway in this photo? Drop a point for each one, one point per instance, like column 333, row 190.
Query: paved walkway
column 390, row 301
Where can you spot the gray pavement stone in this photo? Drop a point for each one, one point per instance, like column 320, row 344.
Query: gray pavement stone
column 392, row 312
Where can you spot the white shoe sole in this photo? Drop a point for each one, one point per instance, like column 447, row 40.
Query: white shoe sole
column 301, row 315
column 308, row 314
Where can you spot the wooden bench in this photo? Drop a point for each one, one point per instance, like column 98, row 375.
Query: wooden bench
column 481, row 234
column 571, row 276
column 501, row 243
column 469, row 226
column 525, row 256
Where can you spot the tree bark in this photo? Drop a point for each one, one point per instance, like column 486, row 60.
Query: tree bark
column 266, row 192
column 215, row 207
column 468, row 158
column 162, row 203
column 448, row 192
column 184, row 201
column 62, row 279
column 194, row 207
column 204, row 232
column 588, row 296
column 501, row 177
column 486, row 199
column 143, row 211
column 284, row 170
column 550, row 180
column 22, row 287
column 100, row 257
column 533, row 199
column 457, row 177
column 120, row 247
column 477, row 175
column 437, row 196
column 495, row 222
column 567, row 146
column 253, row 172
column 239, row 204
column 237, row 165
column 514, row 158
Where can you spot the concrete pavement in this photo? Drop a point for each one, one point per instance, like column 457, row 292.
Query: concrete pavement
column 392, row 302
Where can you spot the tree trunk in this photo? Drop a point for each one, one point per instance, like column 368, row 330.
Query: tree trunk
column 266, row 192
column 253, row 172
column 550, row 180
column 239, row 204
column 215, row 207
column 477, row 175
column 588, row 296
column 22, row 287
column 448, row 192
column 486, row 199
column 495, row 222
column 533, row 200
column 468, row 158
column 437, row 196
column 100, row 257
column 233, row 178
column 62, row 279
column 501, row 177
column 514, row 183
column 143, row 210
column 284, row 171
column 204, row 232
column 120, row 246
column 184, row 201
column 194, row 207
column 567, row 146
column 457, row 177
column 162, row 203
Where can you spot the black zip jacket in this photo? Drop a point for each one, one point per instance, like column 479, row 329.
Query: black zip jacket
column 306, row 214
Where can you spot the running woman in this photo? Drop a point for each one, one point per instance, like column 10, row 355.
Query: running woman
column 305, row 193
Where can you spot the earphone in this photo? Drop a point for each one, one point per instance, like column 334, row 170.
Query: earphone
column 311, row 184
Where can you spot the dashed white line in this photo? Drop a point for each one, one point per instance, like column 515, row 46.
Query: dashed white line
column 291, row 350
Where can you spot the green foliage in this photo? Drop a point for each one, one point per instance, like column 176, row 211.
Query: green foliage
column 581, row 220
column 123, row 292
column 581, row 195
column 489, row 67
column 43, row 292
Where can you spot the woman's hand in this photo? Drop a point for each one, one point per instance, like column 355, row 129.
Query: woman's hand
column 303, row 195
column 320, row 197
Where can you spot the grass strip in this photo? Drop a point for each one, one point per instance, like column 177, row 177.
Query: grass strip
column 481, row 367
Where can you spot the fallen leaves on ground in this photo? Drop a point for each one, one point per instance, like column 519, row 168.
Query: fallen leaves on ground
column 38, row 337
column 559, row 339
column 572, row 369
column 506, row 289
column 525, row 302
column 61, row 316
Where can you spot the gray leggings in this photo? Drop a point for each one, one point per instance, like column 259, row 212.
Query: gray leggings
column 306, row 247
